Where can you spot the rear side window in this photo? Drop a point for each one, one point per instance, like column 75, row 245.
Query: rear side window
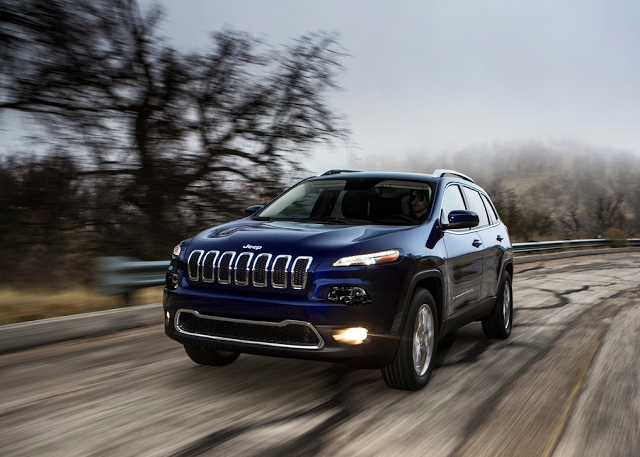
column 452, row 201
column 475, row 203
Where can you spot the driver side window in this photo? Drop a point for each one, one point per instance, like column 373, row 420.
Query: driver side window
column 452, row 201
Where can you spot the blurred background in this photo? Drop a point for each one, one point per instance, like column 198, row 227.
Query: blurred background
column 127, row 126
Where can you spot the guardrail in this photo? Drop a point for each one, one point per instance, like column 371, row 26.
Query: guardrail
column 536, row 246
column 123, row 275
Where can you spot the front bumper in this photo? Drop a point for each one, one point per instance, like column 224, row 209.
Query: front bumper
column 293, row 329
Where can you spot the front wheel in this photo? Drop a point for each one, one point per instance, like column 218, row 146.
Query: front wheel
column 207, row 356
column 412, row 366
column 500, row 321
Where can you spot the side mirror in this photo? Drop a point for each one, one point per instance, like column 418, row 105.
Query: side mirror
column 252, row 210
column 461, row 219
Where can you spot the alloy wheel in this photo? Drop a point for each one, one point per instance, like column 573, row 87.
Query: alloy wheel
column 423, row 340
column 506, row 305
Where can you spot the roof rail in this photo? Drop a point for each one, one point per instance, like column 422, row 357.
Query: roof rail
column 338, row 171
column 439, row 173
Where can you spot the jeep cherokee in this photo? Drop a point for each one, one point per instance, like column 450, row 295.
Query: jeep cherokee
column 346, row 267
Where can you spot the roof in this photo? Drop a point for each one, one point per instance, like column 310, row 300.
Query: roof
column 357, row 174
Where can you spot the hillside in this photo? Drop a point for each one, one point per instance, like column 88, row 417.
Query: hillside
column 556, row 189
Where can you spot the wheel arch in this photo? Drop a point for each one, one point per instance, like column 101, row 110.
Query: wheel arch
column 508, row 267
column 430, row 280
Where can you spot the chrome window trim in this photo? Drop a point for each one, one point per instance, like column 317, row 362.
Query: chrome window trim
column 306, row 271
column 213, row 266
column 199, row 252
column 247, row 269
column 468, row 203
column 266, row 270
column 231, row 266
column 465, row 231
column 284, row 323
column 286, row 271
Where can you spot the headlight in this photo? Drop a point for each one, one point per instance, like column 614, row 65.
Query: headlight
column 177, row 250
column 375, row 258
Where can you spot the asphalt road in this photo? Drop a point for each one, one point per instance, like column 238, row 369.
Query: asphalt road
column 565, row 384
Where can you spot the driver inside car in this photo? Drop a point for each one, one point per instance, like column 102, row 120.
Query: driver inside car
column 418, row 202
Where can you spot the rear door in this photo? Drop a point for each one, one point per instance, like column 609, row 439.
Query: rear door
column 496, row 239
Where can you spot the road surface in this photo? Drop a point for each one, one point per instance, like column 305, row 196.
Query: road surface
column 565, row 384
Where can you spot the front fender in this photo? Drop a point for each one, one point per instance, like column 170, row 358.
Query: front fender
column 431, row 280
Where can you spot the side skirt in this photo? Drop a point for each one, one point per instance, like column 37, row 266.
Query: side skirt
column 475, row 312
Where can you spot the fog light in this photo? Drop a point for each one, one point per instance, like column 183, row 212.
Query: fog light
column 349, row 295
column 355, row 335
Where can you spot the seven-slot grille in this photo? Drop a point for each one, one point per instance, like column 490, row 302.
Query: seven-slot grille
column 246, row 268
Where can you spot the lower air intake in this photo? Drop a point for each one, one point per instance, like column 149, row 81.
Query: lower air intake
column 292, row 334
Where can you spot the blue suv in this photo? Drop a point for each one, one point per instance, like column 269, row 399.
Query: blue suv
column 366, row 269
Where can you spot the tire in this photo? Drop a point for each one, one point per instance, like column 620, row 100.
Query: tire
column 207, row 356
column 412, row 366
column 500, row 322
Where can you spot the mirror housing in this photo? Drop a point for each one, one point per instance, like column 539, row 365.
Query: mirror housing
column 462, row 219
column 252, row 210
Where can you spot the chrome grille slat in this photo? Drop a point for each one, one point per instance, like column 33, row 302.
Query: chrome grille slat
column 194, row 265
column 209, row 266
column 224, row 267
column 259, row 270
column 299, row 272
column 279, row 271
column 244, row 268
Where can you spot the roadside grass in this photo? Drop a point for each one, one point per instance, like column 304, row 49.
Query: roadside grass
column 18, row 305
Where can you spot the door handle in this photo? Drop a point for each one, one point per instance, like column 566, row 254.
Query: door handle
column 476, row 243
column 499, row 238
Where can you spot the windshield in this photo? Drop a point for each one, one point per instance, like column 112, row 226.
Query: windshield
column 353, row 201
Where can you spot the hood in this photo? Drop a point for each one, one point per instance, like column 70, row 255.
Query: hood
column 294, row 238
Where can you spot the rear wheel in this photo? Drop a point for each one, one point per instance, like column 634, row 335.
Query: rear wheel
column 412, row 366
column 208, row 356
column 499, row 323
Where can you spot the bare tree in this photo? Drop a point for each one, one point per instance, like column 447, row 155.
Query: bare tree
column 608, row 212
column 178, row 136
column 44, row 210
column 571, row 224
column 635, row 205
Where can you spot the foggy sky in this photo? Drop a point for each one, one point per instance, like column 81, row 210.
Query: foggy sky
column 433, row 75
column 425, row 75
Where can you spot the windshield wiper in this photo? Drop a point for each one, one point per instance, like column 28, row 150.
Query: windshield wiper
column 338, row 220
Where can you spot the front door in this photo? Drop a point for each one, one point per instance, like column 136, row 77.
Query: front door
column 464, row 257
